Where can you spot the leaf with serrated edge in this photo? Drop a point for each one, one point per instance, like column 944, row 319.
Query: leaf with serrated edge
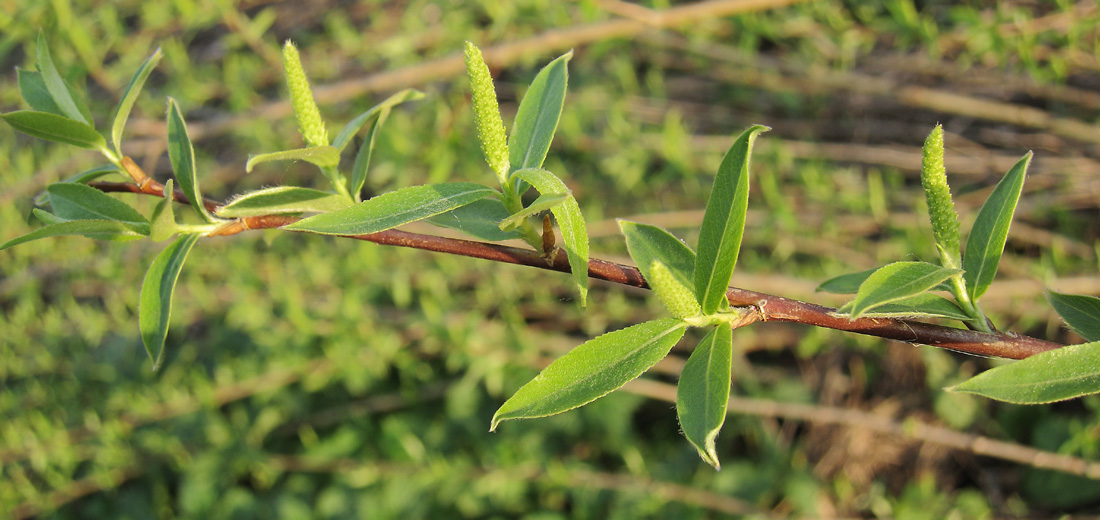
column 704, row 391
column 573, row 230
column 1081, row 312
column 538, row 115
column 1055, row 375
column 82, row 202
column 988, row 235
column 353, row 126
column 544, row 202
column 323, row 156
column 155, row 301
column 63, row 95
column 55, row 128
column 97, row 229
column 724, row 223
column 479, row 219
column 393, row 209
column 592, row 370
column 122, row 111
column 282, row 199
column 182, row 156
column 897, row 281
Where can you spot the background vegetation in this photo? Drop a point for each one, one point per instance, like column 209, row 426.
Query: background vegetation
column 335, row 379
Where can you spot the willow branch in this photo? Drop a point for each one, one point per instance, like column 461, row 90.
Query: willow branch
column 767, row 307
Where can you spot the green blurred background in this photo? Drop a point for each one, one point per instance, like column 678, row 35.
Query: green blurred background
column 320, row 378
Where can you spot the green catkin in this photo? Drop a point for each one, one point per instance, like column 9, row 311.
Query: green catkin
column 490, row 127
column 678, row 298
column 301, row 98
column 941, row 209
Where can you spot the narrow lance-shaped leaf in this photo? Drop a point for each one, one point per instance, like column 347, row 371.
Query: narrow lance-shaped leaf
column 987, row 238
column 537, row 117
column 573, row 230
column 704, row 391
column 490, row 126
column 941, row 209
column 592, row 370
column 33, row 89
column 63, row 96
column 724, row 223
column 1055, row 375
column 182, row 156
column 897, row 281
column 310, row 124
column 1081, row 312
column 393, row 209
column 924, row 305
column 155, row 301
column 344, row 137
column 97, row 229
column 129, row 97
column 55, row 128
column 479, row 219
column 323, row 156
column 79, row 201
column 282, row 199
column 544, row 202
column 648, row 244
column 362, row 158
column 846, row 283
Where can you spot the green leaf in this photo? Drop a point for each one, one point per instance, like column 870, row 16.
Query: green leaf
column 323, row 156
column 704, row 391
column 592, row 370
column 163, row 224
column 1055, row 375
column 544, row 202
column 538, row 115
column 33, row 89
column 479, row 219
column 97, row 229
column 393, row 209
column 570, row 221
column 647, row 244
column 353, row 126
column 724, row 223
column 1082, row 313
column 182, row 156
column 924, row 305
column 63, row 95
column 46, row 217
column 83, row 177
column 155, row 301
column 83, row 202
column 990, row 231
column 897, row 281
column 129, row 96
column 845, row 283
column 362, row 159
column 282, row 199
column 55, row 128
column 677, row 296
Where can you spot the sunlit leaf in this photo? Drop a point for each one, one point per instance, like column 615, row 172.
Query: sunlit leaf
column 63, row 95
column 592, row 370
column 33, row 89
column 155, row 301
column 129, row 96
column 82, row 202
column 97, row 229
column 55, row 128
column 353, row 126
column 724, row 223
column 393, row 209
column 282, row 199
column 573, row 230
column 1055, row 375
column 647, row 244
column 323, row 156
column 1081, row 312
column 987, row 238
column 479, row 219
column 182, row 156
column 845, row 283
column 704, row 391
column 897, row 281
column 544, row 202
column 677, row 296
column 924, row 305
column 537, row 116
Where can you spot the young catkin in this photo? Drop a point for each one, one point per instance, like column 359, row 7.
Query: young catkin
column 678, row 298
column 490, row 127
column 301, row 98
column 941, row 209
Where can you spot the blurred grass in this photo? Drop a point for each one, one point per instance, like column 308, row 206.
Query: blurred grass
column 324, row 378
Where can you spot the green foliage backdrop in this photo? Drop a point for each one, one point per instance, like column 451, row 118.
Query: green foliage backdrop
column 313, row 377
